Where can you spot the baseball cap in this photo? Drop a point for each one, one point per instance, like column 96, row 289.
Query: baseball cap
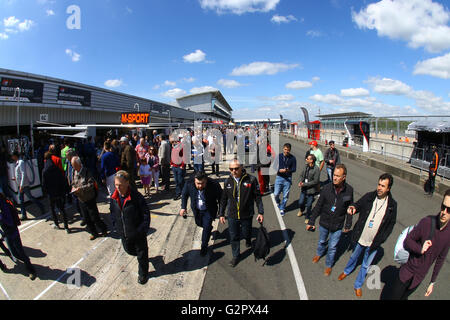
column 313, row 143
column 124, row 139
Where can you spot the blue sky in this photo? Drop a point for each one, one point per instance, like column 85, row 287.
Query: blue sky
column 266, row 56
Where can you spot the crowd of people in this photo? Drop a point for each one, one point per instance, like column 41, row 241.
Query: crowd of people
column 73, row 173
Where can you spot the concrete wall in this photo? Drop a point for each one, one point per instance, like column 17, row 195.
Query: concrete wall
column 198, row 103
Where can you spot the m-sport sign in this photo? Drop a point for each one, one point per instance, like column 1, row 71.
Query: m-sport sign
column 30, row 91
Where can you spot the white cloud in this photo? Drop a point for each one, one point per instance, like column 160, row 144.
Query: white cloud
column 189, row 80
column 113, row 83
column 168, row 83
column 389, row 86
column 130, row 11
column 315, row 79
column 239, row 6
column 174, row 93
column 314, row 33
column 229, row 83
column 297, row 85
column 329, row 99
column 283, row 97
column 260, row 68
column 25, row 25
column 430, row 102
column 50, row 12
column 422, row 23
column 354, row 92
column 282, row 19
column 10, row 22
column 13, row 26
column 425, row 100
column 202, row 89
column 13, row 31
column 436, row 67
column 195, row 57
column 72, row 54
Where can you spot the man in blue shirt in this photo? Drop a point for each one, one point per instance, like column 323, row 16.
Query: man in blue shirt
column 287, row 165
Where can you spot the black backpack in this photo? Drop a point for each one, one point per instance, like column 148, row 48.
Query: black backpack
column 262, row 245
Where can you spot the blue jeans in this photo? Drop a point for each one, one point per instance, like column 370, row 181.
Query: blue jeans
column 234, row 228
column 369, row 255
column 178, row 175
column 330, row 172
column 332, row 244
column 15, row 246
column 27, row 191
column 199, row 167
column 282, row 185
column 306, row 201
column 207, row 221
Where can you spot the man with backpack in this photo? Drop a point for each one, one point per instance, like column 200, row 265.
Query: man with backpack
column 241, row 192
column 427, row 243
column 377, row 217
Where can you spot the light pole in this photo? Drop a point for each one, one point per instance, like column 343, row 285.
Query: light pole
column 17, row 90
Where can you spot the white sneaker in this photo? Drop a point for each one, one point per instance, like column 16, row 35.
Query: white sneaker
column 282, row 213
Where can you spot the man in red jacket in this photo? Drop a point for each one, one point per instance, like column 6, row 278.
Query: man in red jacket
column 424, row 252
column 56, row 160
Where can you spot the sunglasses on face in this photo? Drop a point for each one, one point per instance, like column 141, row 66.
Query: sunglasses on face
column 445, row 208
column 235, row 169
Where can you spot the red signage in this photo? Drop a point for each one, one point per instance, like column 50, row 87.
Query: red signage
column 135, row 118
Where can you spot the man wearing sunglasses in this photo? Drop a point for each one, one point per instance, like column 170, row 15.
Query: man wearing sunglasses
column 241, row 192
column 424, row 252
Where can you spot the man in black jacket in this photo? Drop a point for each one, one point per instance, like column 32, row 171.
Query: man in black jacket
column 332, row 158
column 332, row 207
column 131, row 219
column 205, row 194
column 377, row 216
column 241, row 192
column 54, row 184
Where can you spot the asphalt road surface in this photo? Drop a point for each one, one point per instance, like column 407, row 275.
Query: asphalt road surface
column 281, row 279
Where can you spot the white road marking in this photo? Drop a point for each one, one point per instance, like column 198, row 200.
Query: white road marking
column 295, row 269
column 4, row 291
column 74, row 266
